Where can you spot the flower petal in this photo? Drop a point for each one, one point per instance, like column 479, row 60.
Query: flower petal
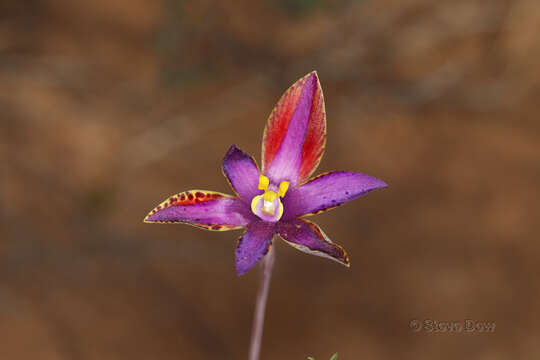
column 328, row 191
column 309, row 238
column 253, row 245
column 208, row 210
column 242, row 172
column 295, row 135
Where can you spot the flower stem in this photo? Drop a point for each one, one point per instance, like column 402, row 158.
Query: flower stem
column 260, row 306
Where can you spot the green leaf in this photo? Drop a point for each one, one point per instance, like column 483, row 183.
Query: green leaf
column 334, row 357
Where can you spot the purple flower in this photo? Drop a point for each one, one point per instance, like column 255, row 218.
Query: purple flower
column 272, row 200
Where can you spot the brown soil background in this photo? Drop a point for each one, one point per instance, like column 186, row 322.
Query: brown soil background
column 108, row 107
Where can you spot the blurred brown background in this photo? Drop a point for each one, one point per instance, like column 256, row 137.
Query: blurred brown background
column 108, row 107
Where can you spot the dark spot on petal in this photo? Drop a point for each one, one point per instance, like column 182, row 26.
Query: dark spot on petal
column 182, row 197
column 190, row 196
column 199, row 194
column 346, row 193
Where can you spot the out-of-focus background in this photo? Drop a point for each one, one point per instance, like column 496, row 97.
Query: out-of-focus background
column 108, row 107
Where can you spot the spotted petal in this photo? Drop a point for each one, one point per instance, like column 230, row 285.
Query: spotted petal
column 208, row 210
column 295, row 135
column 308, row 237
column 242, row 173
column 328, row 191
column 253, row 245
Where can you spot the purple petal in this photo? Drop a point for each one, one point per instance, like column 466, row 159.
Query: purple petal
column 253, row 245
column 309, row 238
column 242, row 173
column 205, row 209
column 286, row 163
column 327, row 191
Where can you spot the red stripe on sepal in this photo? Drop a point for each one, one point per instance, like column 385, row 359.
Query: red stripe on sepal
column 278, row 124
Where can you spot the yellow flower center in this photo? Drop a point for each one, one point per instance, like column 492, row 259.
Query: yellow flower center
column 270, row 200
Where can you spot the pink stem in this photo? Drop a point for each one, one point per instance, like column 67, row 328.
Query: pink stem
column 260, row 306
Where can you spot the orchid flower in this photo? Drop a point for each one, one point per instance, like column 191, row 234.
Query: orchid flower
column 274, row 199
